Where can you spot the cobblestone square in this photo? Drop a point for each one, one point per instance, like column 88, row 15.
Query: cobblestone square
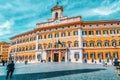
column 61, row 71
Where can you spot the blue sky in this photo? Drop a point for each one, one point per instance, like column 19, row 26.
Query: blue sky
column 18, row 16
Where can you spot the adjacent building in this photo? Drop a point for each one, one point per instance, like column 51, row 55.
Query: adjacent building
column 4, row 50
column 63, row 39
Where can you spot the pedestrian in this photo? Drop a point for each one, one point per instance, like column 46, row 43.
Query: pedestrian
column 10, row 69
column 3, row 62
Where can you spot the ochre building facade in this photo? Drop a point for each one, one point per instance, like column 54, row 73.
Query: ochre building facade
column 63, row 39
column 4, row 50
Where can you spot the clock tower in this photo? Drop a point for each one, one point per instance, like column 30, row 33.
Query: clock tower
column 57, row 12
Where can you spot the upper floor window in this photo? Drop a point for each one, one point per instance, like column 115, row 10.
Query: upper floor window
column 63, row 44
column 69, row 44
column 56, row 45
column 75, row 33
column 76, row 44
column 107, row 55
column 98, row 32
column 35, row 38
column 39, row 46
column 56, row 35
column 50, row 45
column 68, row 33
column 118, row 31
column 105, row 32
column 63, row 34
column 112, row 31
column 106, row 43
column 31, row 39
column 119, row 42
column 26, row 40
column 91, row 44
column 44, row 36
column 90, row 32
column 99, row 55
column 39, row 37
column 84, row 44
column 92, row 55
column 30, row 47
column 99, row 43
column 50, row 36
column 84, row 33
column 113, row 43
column 115, row 55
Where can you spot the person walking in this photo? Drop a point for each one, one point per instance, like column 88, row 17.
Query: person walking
column 10, row 69
column 3, row 62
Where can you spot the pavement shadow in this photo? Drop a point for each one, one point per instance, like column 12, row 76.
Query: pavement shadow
column 43, row 75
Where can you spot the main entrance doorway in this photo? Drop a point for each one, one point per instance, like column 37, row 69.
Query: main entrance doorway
column 56, row 55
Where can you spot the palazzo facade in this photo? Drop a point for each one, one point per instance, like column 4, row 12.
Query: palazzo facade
column 4, row 49
column 63, row 39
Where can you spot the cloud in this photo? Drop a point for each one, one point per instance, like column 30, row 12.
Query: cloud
column 107, row 8
column 5, row 28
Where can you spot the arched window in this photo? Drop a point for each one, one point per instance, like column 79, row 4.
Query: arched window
column 99, row 43
column 56, row 35
column 113, row 43
column 106, row 43
column 69, row 44
column 26, row 48
column 63, row 34
column 91, row 44
column 56, row 15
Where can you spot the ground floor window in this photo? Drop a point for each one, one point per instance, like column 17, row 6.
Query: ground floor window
column 76, row 56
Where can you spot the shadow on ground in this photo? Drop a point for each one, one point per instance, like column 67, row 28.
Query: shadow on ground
column 43, row 75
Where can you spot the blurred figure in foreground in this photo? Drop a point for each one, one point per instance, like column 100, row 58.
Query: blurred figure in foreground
column 10, row 69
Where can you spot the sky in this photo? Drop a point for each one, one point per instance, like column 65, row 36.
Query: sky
column 19, row 16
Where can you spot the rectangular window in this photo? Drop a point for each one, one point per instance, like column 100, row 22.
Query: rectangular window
column 98, row 32
column 68, row 33
column 76, row 56
column 90, row 32
column 118, row 31
column 84, row 33
column 105, row 32
column 75, row 33
column 112, row 31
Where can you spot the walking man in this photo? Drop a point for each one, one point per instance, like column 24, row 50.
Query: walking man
column 10, row 69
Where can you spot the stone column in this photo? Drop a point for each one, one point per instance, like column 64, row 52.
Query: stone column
column 37, row 42
column 51, row 57
column 66, row 56
column 80, row 43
